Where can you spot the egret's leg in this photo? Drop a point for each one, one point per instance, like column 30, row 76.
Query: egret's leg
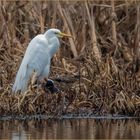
column 39, row 83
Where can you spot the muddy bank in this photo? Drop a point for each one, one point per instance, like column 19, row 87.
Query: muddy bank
column 68, row 116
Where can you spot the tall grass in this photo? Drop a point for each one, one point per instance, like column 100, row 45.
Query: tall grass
column 99, row 68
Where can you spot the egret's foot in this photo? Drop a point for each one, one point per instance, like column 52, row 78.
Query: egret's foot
column 50, row 86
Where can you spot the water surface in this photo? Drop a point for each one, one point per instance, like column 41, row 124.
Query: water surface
column 70, row 129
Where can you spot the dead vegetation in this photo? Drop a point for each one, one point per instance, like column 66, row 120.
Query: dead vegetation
column 97, row 71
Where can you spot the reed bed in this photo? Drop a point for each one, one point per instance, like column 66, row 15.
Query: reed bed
column 97, row 71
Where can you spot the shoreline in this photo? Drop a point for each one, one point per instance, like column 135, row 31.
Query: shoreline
column 70, row 116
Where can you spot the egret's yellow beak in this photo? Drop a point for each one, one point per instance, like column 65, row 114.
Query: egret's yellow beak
column 64, row 35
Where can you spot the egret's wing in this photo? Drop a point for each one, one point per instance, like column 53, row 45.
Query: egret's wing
column 51, row 48
column 45, row 72
column 36, row 59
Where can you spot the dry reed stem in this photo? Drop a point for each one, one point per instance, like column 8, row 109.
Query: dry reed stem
column 137, row 33
column 73, row 48
column 96, row 51
column 114, row 34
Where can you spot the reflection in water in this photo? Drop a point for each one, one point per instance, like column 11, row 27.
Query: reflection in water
column 69, row 129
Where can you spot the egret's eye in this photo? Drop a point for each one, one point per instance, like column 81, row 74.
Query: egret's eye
column 55, row 32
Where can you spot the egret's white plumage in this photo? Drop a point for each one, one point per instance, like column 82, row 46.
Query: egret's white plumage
column 37, row 58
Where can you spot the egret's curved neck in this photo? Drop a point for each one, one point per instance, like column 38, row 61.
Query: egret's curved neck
column 48, row 35
column 53, row 45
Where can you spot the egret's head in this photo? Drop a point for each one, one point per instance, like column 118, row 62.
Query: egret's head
column 56, row 32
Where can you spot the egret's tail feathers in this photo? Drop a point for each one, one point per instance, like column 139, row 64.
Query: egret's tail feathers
column 23, row 80
column 20, row 85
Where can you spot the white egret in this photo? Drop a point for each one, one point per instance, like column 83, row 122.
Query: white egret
column 37, row 58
